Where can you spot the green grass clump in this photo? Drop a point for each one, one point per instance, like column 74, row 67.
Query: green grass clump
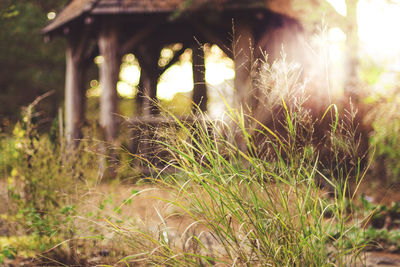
column 260, row 212
column 252, row 191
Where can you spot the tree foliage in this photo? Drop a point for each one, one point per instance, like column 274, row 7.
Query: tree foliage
column 29, row 67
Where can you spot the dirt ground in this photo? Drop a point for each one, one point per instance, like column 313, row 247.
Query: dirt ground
column 151, row 210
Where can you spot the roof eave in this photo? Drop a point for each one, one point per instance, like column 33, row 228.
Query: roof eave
column 55, row 24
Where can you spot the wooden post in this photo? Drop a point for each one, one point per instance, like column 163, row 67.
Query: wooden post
column 243, row 61
column 199, row 82
column 243, row 42
column 139, row 99
column 150, row 80
column 109, row 74
column 74, row 92
column 148, row 57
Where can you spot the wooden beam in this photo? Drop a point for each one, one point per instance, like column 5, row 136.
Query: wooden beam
column 138, row 37
column 243, row 57
column 211, row 37
column 139, row 99
column 109, row 74
column 74, row 93
column 199, row 83
column 149, row 81
column 148, row 56
column 79, row 44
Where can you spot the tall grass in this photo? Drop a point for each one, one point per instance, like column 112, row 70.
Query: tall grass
column 251, row 187
column 269, row 187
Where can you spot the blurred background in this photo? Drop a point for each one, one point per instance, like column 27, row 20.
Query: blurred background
column 356, row 38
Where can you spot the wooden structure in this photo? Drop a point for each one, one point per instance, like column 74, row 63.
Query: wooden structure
column 112, row 28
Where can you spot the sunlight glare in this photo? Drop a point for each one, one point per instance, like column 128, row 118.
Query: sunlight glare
column 130, row 74
column 179, row 77
column 217, row 73
column 379, row 23
column 126, row 90
column 166, row 52
column 336, row 41
column 339, row 6
column 129, row 58
column 219, row 68
column 51, row 15
column 336, row 35
column 94, row 83
column 94, row 90
column 98, row 60
column 165, row 56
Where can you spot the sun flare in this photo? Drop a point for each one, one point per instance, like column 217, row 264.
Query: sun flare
column 379, row 44
column 378, row 24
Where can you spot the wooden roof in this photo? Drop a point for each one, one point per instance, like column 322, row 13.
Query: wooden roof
column 76, row 8
column 136, row 6
column 73, row 10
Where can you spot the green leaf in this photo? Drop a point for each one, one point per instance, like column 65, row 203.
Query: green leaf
column 134, row 192
column 8, row 252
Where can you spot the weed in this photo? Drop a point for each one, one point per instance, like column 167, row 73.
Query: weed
column 45, row 183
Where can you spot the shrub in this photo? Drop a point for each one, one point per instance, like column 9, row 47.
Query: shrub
column 386, row 140
column 45, row 182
